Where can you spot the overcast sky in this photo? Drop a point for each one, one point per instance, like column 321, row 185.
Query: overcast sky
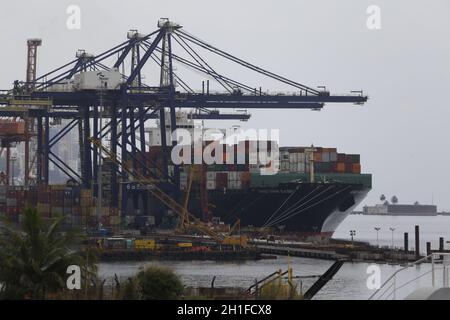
column 402, row 133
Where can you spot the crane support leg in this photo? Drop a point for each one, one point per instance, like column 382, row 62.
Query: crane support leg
column 124, row 139
column 87, row 172
column 39, row 150
column 95, row 127
column 114, row 186
column 144, row 195
column 46, row 143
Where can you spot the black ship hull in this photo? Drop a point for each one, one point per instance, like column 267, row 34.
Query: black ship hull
column 306, row 208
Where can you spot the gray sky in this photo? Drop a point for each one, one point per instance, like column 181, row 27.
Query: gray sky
column 401, row 134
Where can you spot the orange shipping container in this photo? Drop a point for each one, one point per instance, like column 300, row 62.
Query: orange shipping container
column 341, row 167
column 245, row 176
column 356, row 168
column 12, row 128
column 317, row 157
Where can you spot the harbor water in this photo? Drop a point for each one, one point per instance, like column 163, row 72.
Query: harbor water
column 349, row 283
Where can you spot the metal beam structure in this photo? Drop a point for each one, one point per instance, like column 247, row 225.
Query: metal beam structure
column 129, row 101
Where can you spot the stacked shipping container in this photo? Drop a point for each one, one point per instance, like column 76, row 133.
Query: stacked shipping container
column 78, row 205
column 325, row 160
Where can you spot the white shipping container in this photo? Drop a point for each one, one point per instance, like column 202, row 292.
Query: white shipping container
column 293, row 157
column 333, row 156
column 233, row 176
column 211, row 175
column 325, row 157
column 301, row 158
column 293, row 167
column 234, row 185
column 301, row 168
column 284, row 155
column 284, row 166
column 210, row 185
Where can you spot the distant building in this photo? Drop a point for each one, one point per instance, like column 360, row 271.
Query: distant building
column 401, row 210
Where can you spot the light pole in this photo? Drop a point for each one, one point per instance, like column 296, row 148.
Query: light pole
column 352, row 234
column 377, row 229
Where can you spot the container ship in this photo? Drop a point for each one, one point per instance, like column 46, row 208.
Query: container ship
column 298, row 199
column 312, row 192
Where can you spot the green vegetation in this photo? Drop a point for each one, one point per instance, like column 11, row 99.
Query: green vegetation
column 153, row 283
column 34, row 258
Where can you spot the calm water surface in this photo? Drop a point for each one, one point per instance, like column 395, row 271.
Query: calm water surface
column 348, row 283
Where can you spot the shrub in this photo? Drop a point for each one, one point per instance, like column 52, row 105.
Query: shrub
column 159, row 283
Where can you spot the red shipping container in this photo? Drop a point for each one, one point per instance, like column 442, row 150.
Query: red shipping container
column 221, row 180
column 356, row 168
column 341, row 157
column 317, row 157
column 348, row 158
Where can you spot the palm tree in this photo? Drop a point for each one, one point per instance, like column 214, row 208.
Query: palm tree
column 34, row 260
column 394, row 199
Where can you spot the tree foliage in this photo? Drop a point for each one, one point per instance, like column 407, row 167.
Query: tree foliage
column 394, row 199
column 34, row 258
column 153, row 283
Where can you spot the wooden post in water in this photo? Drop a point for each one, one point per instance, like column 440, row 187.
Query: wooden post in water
column 428, row 248
column 441, row 247
column 406, row 242
column 417, row 241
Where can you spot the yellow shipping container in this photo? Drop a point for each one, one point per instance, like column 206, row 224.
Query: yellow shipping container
column 57, row 187
column 86, row 193
column 86, row 202
column 105, row 211
column 146, row 244
column 114, row 220
column 236, row 241
column 85, row 211
column 184, row 245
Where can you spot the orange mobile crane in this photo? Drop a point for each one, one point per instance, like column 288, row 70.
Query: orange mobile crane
column 188, row 219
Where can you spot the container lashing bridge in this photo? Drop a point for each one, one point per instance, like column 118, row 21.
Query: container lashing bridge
column 115, row 86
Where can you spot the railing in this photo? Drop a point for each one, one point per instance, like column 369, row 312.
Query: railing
column 386, row 291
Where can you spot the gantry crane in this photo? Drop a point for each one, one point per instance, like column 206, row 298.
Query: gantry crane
column 76, row 92
column 188, row 219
